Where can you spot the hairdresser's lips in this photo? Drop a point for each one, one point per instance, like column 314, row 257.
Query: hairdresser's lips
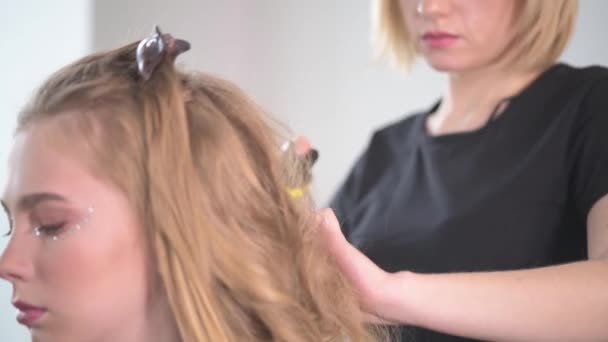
column 439, row 39
column 28, row 314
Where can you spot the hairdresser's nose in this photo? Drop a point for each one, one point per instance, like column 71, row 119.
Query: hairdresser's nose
column 433, row 8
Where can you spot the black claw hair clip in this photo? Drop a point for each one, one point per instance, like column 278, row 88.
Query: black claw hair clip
column 155, row 48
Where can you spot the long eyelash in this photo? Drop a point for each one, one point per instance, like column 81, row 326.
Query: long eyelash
column 10, row 220
column 49, row 229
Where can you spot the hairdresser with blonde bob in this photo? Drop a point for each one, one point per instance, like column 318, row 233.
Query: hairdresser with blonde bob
column 484, row 216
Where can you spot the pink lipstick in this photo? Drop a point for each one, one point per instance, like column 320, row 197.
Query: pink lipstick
column 28, row 314
column 439, row 40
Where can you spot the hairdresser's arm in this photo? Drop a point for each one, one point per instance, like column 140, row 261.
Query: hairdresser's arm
column 560, row 303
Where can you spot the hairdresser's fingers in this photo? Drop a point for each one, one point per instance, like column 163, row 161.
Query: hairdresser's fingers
column 368, row 279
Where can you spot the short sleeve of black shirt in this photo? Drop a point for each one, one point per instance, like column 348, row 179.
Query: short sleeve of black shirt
column 513, row 194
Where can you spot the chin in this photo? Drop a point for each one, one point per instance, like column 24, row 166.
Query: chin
column 449, row 62
column 446, row 65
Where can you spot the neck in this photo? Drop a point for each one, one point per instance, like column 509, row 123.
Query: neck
column 472, row 96
column 157, row 325
column 161, row 325
column 491, row 84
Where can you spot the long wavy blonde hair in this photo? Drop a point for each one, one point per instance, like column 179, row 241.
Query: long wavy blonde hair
column 239, row 260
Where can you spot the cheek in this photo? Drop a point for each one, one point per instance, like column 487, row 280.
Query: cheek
column 489, row 26
column 95, row 276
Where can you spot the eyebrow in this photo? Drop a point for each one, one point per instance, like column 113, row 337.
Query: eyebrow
column 29, row 201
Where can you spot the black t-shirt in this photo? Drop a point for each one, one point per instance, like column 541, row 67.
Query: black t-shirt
column 514, row 194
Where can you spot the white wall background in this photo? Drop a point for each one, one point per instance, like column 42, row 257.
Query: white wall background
column 36, row 38
column 307, row 62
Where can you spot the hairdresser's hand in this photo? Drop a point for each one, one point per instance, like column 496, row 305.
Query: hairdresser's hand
column 380, row 293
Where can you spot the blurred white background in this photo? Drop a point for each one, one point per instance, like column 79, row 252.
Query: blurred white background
column 307, row 62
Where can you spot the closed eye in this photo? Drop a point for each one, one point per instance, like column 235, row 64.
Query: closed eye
column 51, row 230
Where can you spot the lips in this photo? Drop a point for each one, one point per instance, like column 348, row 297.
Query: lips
column 28, row 314
column 439, row 40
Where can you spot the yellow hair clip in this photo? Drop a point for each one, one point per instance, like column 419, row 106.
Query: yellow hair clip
column 296, row 192
column 306, row 158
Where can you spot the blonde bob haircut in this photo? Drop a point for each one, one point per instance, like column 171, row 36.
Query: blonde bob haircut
column 543, row 29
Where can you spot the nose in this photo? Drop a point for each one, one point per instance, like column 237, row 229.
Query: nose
column 432, row 8
column 15, row 262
